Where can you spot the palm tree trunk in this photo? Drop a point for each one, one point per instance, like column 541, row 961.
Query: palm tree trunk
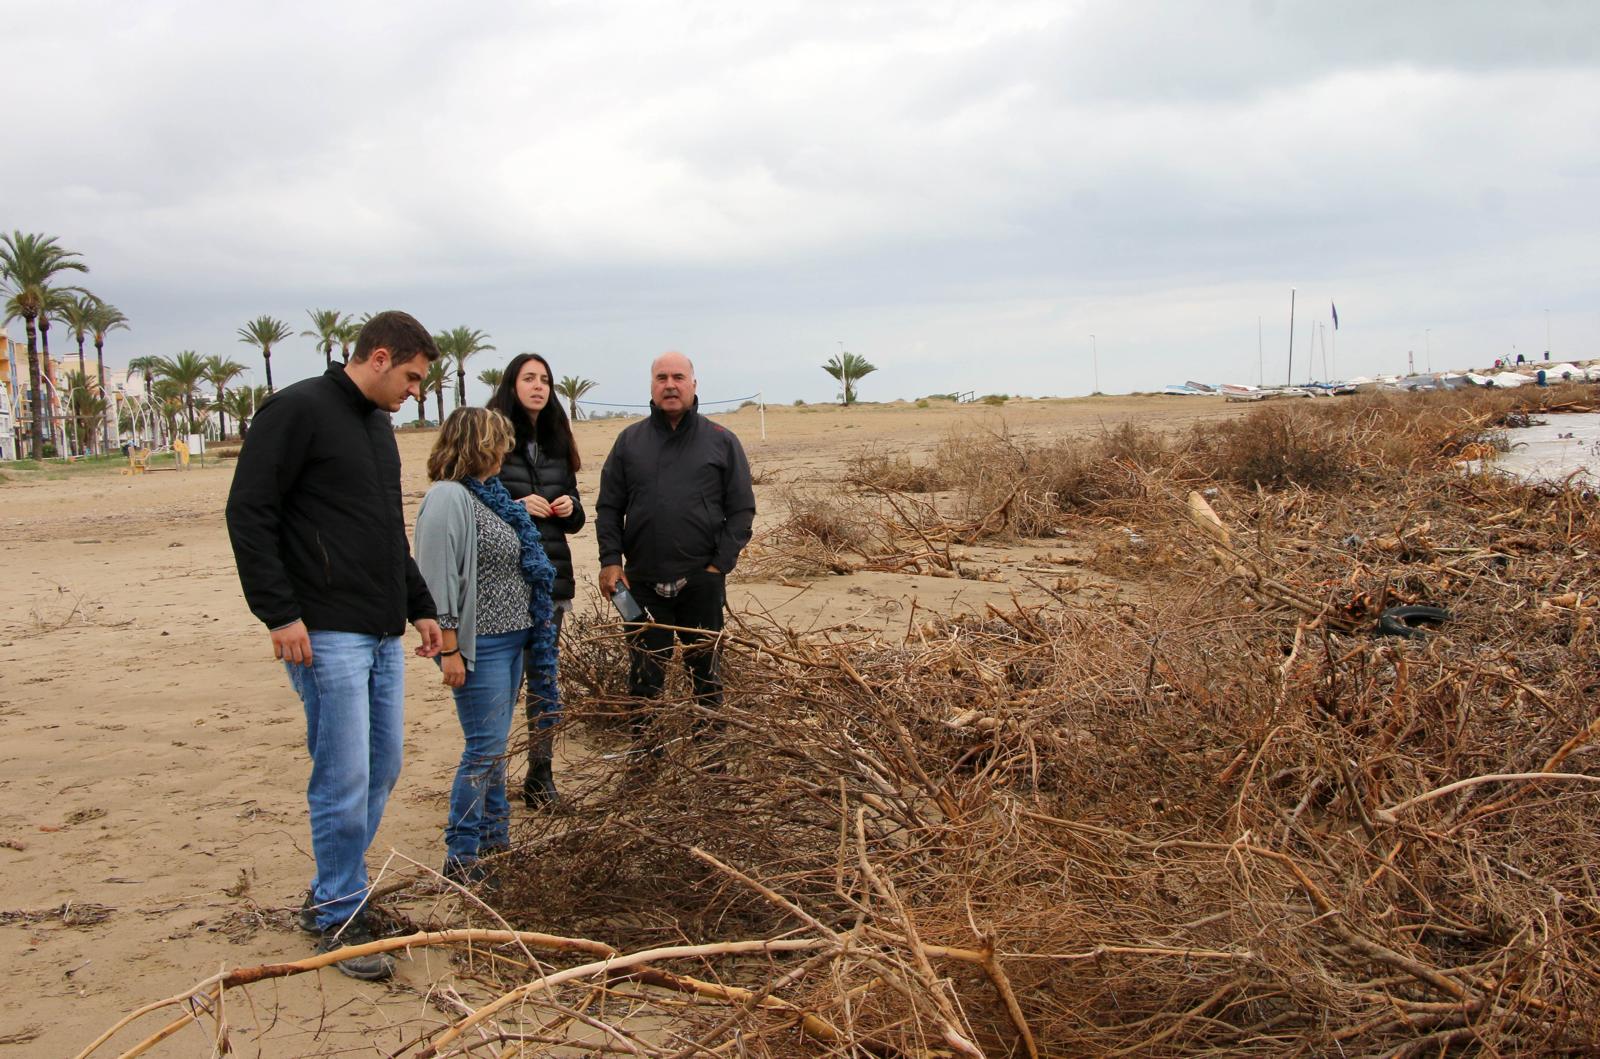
column 439, row 393
column 327, row 354
column 422, row 408
column 222, row 415
column 111, row 405
column 35, row 401
column 461, row 386
column 266, row 355
column 44, row 357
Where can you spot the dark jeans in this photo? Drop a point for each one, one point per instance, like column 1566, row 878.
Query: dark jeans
column 542, row 713
column 698, row 605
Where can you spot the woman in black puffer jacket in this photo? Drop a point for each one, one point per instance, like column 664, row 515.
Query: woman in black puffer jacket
column 541, row 470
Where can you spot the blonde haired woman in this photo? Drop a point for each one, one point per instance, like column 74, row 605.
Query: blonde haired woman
column 480, row 553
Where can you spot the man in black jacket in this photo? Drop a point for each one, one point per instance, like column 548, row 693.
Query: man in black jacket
column 320, row 542
column 675, row 509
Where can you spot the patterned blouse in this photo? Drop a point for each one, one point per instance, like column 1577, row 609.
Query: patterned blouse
column 503, row 594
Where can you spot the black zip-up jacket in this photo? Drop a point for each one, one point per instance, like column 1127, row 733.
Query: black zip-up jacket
column 315, row 514
column 524, row 474
column 674, row 501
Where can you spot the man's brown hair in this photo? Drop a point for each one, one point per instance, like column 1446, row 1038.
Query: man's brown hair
column 399, row 333
column 470, row 443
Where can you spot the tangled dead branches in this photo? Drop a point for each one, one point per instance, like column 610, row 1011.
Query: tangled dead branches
column 1228, row 819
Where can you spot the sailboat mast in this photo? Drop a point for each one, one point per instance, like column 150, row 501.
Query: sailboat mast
column 1290, row 380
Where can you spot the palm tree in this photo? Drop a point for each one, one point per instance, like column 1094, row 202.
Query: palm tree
column 76, row 311
column 219, row 373
column 57, row 302
column 84, row 405
column 78, row 315
column 28, row 263
column 572, row 388
column 265, row 332
column 491, row 377
column 145, row 366
column 105, row 319
column 434, row 381
column 241, row 402
column 186, row 372
column 325, row 324
column 169, row 398
column 458, row 344
column 346, row 336
column 847, row 368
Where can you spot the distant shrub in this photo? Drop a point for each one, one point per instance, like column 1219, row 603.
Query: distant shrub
column 1274, row 447
column 819, row 517
column 922, row 402
column 799, row 402
column 1021, row 487
column 874, row 469
column 995, row 398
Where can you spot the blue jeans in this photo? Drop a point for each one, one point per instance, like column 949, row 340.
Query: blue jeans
column 480, row 816
column 354, row 695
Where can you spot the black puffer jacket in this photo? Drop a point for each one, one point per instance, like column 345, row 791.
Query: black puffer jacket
column 530, row 470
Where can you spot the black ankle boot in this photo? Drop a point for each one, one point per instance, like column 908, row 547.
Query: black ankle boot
column 539, row 789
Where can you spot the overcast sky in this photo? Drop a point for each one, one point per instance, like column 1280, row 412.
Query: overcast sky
column 962, row 193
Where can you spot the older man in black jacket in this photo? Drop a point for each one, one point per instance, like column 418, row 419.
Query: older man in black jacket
column 675, row 509
column 320, row 542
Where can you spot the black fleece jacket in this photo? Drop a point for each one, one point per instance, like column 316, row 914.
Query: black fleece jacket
column 674, row 501
column 315, row 514
column 527, row 472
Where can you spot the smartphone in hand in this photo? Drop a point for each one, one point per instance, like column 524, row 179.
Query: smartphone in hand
column 626, row 605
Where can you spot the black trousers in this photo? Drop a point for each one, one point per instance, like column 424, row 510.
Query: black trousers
column 697, row 605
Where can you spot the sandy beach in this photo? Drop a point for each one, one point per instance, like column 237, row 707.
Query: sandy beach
column 152, row 824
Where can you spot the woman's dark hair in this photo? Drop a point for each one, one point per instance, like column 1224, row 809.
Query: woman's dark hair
column 551, row 430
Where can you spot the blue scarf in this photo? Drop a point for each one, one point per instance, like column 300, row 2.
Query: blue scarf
column 540, row 575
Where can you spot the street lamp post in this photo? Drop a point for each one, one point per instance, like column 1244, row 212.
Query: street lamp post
column 1094, row 349
column 1547, row 334
column 1427, row 338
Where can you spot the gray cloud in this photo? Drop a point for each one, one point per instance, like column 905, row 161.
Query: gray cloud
column 961, row 193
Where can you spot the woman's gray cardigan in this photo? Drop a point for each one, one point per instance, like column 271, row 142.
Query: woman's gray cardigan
column 447, row 554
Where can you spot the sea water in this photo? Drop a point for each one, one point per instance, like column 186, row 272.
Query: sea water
column 1562, row 444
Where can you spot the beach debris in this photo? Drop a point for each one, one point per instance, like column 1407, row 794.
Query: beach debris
column 69, row 914
column 1411, row 620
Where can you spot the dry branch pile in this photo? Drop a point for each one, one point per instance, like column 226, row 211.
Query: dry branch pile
column 1229, row 820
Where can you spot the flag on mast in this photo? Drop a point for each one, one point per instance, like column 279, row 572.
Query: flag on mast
column 1335, row 316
